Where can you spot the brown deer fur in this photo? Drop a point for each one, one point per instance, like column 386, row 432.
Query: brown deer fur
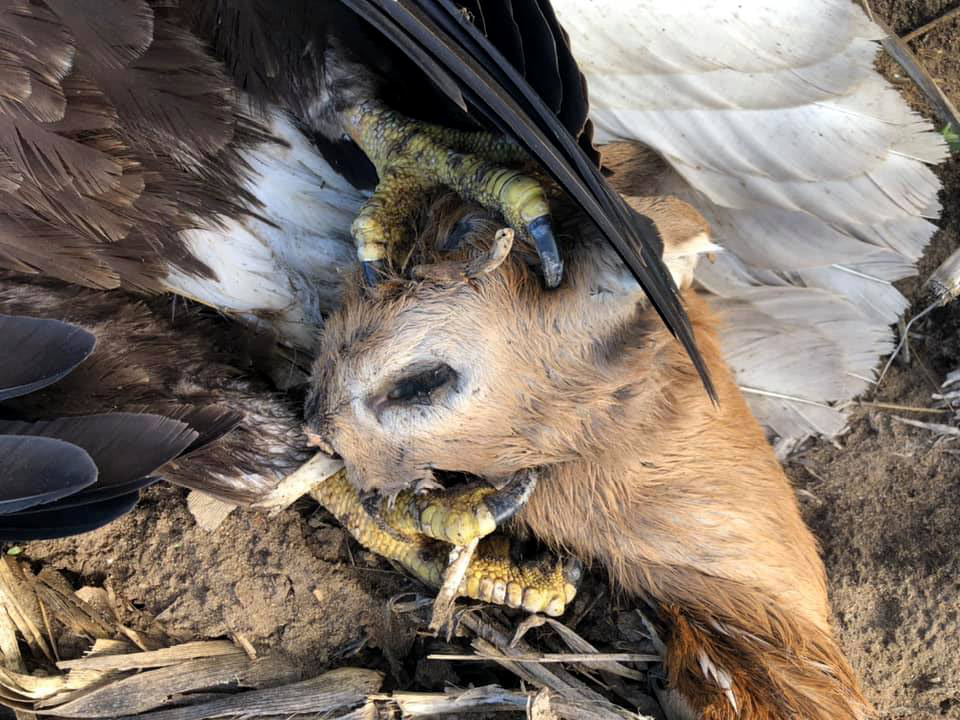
column 683, row 502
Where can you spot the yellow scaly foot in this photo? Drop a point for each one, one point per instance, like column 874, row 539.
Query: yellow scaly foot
column 412, row 158
column 544, row 585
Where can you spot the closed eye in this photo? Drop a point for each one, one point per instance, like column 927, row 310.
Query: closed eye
column 418, row 388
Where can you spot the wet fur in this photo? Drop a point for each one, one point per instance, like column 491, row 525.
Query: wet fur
column 683, row 502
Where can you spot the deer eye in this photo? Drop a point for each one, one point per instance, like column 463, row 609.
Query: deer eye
column 417, row 388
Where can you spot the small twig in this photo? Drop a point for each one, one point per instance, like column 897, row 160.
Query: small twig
column 901, row 52
column 923, row 29
column 904, row 337
column 901, row 408
column 555, row 657
column 937, row 428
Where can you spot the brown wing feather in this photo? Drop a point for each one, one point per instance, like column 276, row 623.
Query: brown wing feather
column 117, row 132
column 112, row 33
column 172, row 98
column 36, row 54
column 29, row 245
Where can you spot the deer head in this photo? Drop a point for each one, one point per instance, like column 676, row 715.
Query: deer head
column 492, row 374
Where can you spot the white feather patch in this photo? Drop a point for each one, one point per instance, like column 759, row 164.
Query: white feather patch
column 284, row 267
column 810, row 168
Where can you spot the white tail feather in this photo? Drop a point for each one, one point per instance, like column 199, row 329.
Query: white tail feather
column 284, row 265
column 810, row 168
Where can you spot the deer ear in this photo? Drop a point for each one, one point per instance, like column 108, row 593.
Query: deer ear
column 685, row 232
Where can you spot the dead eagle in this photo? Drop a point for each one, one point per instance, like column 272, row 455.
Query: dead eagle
column 224, row 150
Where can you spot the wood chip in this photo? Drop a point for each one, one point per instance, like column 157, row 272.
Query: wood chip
column 208, row 512
column 489, row 698
column 339, row 690
column 109, row 646
column 154, row 688
column 18, row 600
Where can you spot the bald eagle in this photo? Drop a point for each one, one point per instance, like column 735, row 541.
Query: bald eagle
column 250, row 154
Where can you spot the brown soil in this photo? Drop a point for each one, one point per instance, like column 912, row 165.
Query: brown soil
column 885, row 504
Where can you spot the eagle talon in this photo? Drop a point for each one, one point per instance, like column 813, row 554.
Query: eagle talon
column 413, row 158
column 541, row 230
column 373, row 272
column 544, row 585
column 506, row 502
column 463, row 514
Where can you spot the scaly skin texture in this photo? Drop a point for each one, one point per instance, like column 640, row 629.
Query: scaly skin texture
column 413, row 158
column 544, row 585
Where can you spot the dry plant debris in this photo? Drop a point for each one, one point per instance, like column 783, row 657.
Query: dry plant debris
column 129, row 673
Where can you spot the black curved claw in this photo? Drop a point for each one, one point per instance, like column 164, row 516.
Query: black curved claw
column 506, row 502
column 373, row 272
column 463, row 227
column 541, row 230
column 370, row 502
column 454, row 240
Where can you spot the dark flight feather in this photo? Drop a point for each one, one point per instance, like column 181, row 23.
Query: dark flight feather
column 497, row 90
column 210, row 422
column 502, row 30
column 38, row 470
column 87, row 463
column 37, row 352
column 540, row 44
column 73, row 474
column 92, row 495
column 191, row 367
column 124, row 446
column 57, row 523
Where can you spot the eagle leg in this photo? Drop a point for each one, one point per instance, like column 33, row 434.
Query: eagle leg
column 543, row 585
column 412, row 157
column 461, row 514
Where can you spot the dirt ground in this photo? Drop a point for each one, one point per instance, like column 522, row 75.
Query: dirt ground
column 885, row 504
